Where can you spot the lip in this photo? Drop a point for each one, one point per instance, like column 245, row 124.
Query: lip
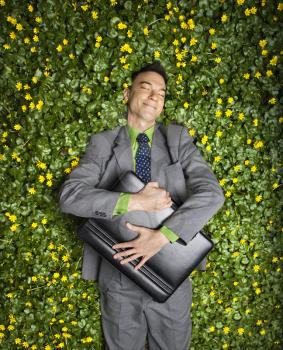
column 153, row 107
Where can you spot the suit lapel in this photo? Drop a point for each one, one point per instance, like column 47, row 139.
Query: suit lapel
column 123, row 151
column 160, row 156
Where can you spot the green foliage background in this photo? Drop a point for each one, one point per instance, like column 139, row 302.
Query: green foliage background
column 64, row 65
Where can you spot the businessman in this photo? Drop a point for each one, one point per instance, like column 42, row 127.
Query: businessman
column 130, row 315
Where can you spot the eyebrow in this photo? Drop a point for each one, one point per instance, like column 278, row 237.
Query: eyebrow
column 147, row 82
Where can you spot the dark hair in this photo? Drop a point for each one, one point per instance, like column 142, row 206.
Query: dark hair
column 152, row 67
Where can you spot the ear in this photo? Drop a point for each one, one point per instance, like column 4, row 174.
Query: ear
column 126, row 93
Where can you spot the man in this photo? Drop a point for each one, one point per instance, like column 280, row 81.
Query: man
column 129, row 314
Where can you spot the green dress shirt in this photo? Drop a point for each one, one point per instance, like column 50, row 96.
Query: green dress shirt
column 123, row 201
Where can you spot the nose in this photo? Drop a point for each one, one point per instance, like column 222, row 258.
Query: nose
column 153, row 95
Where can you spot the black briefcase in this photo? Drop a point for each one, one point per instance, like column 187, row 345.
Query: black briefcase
column 161, row 275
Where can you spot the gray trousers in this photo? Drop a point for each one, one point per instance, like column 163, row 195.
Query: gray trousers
column 130, row 316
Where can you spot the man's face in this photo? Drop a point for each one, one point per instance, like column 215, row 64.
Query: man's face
column 146, row 96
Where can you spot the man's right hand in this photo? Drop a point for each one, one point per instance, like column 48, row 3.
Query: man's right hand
column 150, row 198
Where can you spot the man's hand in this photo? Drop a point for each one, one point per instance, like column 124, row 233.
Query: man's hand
column 148, row 243
column 150, row 198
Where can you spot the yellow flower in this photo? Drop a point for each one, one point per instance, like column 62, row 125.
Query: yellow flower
column 44, row 221
column 12, row 35
column 38, row 19
column 224, row 18
column 65, row 42
column 219, row 101
column 226, row 330
column 156, row 54
column 192, row 132
column 235, row 180
column 35, row 38
column 246, row 76
column 34, row 79
column 247, row 12
column 17, row 127
column 59, row 48
column 84, row 7
column 262, row 43
column 217, row 159
column 129, row 33
column 228, row 113
column 72, row 56
column 145, row 31
column 217, row 59
column 228, row 194
column 194, row 58
column 39, row 105
column 41, row 178
column 211, row 329
column 211, row 31
column 126, row 48
column 258, row 144
column 219, row 133
column 186, row 105
column 30, row 8
column 241, row 330
column 272, row 101
column 6, row 46
column 19, row 27
column 94, row 15
column 273, row 61
column 275, row 185
column 256, row 268
column 193, row 41
column 31, row 190
column 14, row 227
column 32, row 105
column 221, row 81
column 175, row 42
column 122, row 25
column 253, row 168
column 257, row 290
column 241, row 116
column 19, row 86
column 218, row 113
column 235, row 254
column 269, row 73
column 264, row 52
column 204, row 139
column 258, row 198
column 237, row 167
column 257, row 75
column 213, row 46
column 34, row 225
column 240, row 2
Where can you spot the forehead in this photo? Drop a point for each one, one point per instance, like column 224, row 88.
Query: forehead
column 153, row 78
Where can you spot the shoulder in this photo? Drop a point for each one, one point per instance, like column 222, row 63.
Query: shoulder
column 178, row 133
column 105, row 138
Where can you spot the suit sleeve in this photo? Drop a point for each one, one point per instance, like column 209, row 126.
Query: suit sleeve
column 79, row 194
column 204, row 194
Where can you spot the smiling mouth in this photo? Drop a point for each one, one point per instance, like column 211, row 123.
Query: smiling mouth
column 149, row 106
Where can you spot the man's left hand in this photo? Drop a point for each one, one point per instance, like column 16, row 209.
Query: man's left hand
column 148, row 243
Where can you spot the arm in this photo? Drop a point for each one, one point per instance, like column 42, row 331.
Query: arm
column 204, row 194
column 79, row 195
column 123, row 205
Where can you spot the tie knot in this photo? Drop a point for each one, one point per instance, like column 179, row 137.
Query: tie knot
column 142, row 138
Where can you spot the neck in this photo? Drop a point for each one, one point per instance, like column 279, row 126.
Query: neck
column 139, row 124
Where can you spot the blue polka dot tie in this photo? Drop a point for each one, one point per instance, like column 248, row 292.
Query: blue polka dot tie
column 143, row 162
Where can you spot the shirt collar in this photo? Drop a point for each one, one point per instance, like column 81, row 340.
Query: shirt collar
column 133, row 133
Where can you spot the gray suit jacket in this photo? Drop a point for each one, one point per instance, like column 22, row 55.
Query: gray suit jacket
column 190, row 182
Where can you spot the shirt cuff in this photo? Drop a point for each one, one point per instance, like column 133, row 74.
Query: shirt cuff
column 169, row 234
column 121, row 206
